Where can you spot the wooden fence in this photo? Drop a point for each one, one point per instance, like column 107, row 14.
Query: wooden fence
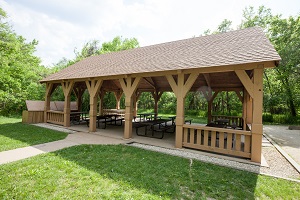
column 217, row 140
column 55, row 117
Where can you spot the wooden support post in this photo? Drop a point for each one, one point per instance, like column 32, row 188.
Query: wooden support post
column 257, row 126
column 118, row 95
column 180, row 90
column 156, row 96
column 210, row 99
column 101, row 95
column 79, row 92
column 245, row 97
column 49, row 90
column 129, row 86
column 93, row 87
column 135, row 98
column 67, row 89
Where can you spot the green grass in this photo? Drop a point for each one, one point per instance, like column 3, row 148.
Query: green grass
column 123, row 172
column 14, row 134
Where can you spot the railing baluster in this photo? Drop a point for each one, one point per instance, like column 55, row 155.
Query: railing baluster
column 205, row 138
column 198, row 132
column 247, row 143
column 213, row 139
column 221, row 140
column 192, row 136
column 185, row 134
column 229, row 141
column 238, row 142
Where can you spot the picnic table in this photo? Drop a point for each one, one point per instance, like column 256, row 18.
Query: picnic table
column 77, row 117
column 154, row 126
column 107, row 119
column 185, row 121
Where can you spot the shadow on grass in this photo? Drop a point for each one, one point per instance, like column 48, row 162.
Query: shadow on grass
column 163, row 175
column 18, row 135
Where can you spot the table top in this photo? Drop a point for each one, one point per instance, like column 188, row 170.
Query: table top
column 222, row 121
column 154, row 122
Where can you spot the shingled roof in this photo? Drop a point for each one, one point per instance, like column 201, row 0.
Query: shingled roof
column 236, row 47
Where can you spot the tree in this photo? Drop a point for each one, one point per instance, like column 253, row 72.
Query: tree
column 20, row 70
column 285, row 36
column 118, row 44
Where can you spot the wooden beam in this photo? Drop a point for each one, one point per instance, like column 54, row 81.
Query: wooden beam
column 239, row 96
column 93, row 88
column 202, row 69
column 129, row 88
column 215, row 95
column 67, row 89
column 189, row 83
column 257, row 126
column 245, row 79
column 150, row 83
column 207, row 79
column 172, row 83
column 49, row 90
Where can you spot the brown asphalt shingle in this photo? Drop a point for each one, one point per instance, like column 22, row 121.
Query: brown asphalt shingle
column 236, row 47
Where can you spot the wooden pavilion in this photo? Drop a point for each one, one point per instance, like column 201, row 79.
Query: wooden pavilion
column 232, row 61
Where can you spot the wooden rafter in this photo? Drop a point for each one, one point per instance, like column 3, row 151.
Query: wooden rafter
column 245, row 79
column 239, row 95
column 207, row 79
column 67, row 87
column 151, row 83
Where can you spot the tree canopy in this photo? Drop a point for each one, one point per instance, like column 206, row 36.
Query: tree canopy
column 21, row 70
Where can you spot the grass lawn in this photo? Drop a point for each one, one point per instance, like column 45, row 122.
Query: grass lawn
column 14, row 134
column 123, row 172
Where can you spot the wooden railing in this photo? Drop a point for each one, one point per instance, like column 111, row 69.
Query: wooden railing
column 218, row 140
column 113, row 111
column 238, row 121
column 55, row 117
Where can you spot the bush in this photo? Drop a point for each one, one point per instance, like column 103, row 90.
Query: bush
column 267, row 117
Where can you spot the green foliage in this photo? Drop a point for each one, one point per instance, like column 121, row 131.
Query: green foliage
column 118, row 44
column 124, row 172
column 283, row 83
column 20, row 71
column 14, row 134
column 280, row 119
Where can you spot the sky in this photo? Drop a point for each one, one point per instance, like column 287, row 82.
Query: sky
column 60, row 26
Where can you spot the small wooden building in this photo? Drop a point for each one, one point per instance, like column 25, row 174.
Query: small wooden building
column 35, row 110
column 232, row 61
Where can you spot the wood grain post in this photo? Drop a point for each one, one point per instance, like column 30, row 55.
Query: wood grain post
column 257, row 126
column 101, row 100
column 129, row 86
column 93, row 88
column 49, row 90
column 180, row 90
column 156, row 96
column 79, row 92
column 67, row 89
column 254, row 88
column 118, row 95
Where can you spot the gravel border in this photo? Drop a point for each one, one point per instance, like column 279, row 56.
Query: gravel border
column 286, row 171
column 54, row 127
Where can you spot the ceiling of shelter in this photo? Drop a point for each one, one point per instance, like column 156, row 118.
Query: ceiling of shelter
column 225, row 81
